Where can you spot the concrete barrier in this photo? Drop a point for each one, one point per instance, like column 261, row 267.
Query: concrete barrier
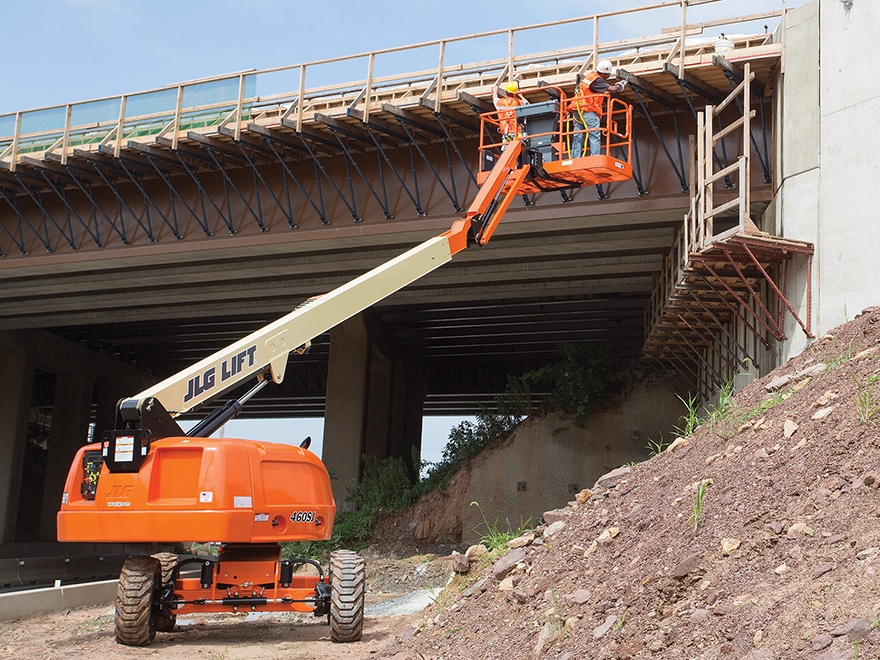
column 20, row 604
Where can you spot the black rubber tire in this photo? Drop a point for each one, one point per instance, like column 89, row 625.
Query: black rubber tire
column 347, row 589
column 139, row 584
column 167, row 562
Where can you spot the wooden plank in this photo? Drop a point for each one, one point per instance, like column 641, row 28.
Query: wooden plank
column 692, row 83
column 456, row 117
column 479, row 105
column 652, row 91
column 214, row 143
column 412, row 119
column 276, row 135
column 720, row 174
column 699, row 27
column 344, row 128
column 725, row 65
column 157, row 153
column 314, row 135
column 379, row 124
column 730, row 128
column 249, row 140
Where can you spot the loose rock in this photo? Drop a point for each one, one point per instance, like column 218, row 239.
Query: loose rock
column 678, row 443
column 613, row 477
column 605, row 627
column 689, row 565
column 584, row 496
column 521, row 541
column 823, row 413
column 579, row 597
column 504, row 565
column 729, row 546
column 854, row 630
column 778, row 383
column 608, row 535
column 556, row 515
column 476, row 551
column 554, row 529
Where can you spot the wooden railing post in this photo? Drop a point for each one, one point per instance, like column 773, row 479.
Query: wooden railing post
column 65, row 142
column 238, row 107
column 437, row 101
column 15, row 136
column 510, row 55
column 684, row 4
column 708, row 189
column 369, row 88
column 300, row 104
column 745, row 178
column 177, row 112
column 117, row 146
column 595, row 42
column 700, row 232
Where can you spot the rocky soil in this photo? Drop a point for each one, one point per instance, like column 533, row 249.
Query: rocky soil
column 779, row 559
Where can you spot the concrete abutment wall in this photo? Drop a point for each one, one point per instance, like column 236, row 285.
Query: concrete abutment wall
column 827, row 192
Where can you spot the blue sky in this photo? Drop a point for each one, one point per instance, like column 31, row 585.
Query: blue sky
column 64, row 51
column 61, row 51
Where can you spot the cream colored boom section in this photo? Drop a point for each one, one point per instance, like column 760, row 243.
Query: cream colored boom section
column 270, row 346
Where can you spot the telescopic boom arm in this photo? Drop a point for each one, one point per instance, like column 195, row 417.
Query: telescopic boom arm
column 264, row 353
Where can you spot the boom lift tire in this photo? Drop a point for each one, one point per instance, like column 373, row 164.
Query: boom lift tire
column 347, row 587
column 168, row 562
column 139, row 585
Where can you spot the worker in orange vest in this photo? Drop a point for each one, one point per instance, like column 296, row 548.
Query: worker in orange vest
column 506, row 106
column 587, row 108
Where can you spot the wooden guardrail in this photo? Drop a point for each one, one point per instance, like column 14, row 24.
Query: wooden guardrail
column 210, row 101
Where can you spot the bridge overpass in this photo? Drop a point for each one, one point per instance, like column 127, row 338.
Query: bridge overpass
column 140, row 233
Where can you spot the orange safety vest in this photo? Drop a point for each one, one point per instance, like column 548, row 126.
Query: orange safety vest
column 507, row 118
column 589, row 102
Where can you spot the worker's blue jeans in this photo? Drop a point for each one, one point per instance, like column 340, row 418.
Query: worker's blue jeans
column 591, row 120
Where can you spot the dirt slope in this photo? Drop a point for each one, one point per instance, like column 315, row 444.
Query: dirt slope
column 783, row 562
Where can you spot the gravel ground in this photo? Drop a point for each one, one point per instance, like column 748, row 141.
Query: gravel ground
column 398, row 588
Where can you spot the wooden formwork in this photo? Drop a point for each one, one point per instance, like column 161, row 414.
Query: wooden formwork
column 721, row 268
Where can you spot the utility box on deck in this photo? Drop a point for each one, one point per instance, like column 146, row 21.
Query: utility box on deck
column 540, row 122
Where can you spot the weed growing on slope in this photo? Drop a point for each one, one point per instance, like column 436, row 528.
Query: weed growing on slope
column 691, row 417
column 867, row 400
column 493, row 537
column 699, row 496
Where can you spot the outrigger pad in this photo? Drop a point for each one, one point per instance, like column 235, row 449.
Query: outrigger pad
column 125, row 451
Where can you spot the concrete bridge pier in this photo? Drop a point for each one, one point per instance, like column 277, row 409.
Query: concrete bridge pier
column 374, row 402
column 16, row 385
column 81, row 376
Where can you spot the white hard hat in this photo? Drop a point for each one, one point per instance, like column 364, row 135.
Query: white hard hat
column 605, row 67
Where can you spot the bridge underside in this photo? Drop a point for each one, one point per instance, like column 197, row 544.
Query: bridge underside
column 160, row 247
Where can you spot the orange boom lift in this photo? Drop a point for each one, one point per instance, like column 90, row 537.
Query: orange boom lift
column 149, row 481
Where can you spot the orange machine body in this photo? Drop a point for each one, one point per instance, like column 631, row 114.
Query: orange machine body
column 200, row 489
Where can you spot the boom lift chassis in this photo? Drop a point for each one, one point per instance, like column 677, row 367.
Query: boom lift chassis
column 148, row 481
